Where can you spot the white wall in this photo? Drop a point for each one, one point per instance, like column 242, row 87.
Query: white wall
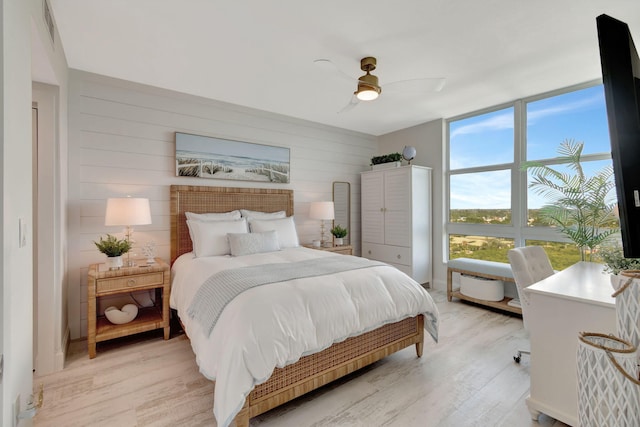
column 428, row 138
column 121, row 142
column 22, row 22
column 16, row 204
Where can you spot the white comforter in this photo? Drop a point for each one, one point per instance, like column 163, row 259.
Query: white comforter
column 274, row 325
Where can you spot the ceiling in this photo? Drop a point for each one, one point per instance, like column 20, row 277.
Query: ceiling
column 261, row 54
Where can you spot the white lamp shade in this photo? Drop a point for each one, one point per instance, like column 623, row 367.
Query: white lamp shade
column 127, row 211
column 321, row 210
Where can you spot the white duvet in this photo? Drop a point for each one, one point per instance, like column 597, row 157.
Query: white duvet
column 274, row 325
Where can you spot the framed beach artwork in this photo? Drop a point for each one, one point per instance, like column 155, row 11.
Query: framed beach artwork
column 217, row 158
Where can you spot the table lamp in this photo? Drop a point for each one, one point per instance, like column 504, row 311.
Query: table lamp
column 324, row 212
column 127, row 211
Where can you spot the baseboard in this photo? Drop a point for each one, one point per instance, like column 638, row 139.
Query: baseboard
column 61, row 355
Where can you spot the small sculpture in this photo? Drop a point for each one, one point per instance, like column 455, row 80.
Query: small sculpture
column 149, row 250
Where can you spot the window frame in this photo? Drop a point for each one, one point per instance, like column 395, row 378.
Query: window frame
column 518, row 230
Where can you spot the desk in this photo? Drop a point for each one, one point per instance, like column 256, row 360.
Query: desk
column 573, row 300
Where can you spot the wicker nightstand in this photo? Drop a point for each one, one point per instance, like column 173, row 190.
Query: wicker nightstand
column 103, row 282
column 344, row 250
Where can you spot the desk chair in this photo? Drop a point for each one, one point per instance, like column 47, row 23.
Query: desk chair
column 529, row 265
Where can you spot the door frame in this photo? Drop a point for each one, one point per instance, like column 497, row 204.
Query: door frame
column 46, row 219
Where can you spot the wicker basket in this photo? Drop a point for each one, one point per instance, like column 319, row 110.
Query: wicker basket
column 608, row 388
column 628, row 307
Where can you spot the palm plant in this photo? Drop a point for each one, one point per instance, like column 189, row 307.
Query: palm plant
column 580, row 206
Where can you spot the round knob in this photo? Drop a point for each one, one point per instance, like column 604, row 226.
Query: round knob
column 381, row 209
column 369, row 252
column 399, row 256
column 131, row 282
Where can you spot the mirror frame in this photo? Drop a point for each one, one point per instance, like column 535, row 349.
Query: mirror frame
column 336, row 189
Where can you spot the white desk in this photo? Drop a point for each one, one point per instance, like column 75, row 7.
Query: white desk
column 573, row 300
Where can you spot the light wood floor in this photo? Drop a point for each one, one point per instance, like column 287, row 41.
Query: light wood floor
column 467, row 379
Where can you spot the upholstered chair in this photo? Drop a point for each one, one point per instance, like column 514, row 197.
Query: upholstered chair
column 529, row 265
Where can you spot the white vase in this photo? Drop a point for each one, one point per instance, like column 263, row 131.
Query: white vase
column 339, row 241
column 114, row 262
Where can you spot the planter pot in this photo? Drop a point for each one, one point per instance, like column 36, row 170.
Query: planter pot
column 339, row 241
column 114, row 262
column 389, row 165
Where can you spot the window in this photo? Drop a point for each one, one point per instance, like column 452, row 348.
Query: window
column 490, row 206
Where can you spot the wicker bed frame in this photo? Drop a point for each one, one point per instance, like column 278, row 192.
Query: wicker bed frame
column 312, row 371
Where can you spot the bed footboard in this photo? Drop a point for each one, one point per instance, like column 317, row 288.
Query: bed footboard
column 316, row 370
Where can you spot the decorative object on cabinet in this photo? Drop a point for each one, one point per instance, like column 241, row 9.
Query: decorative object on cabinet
column 396, row 219
column 104, row 282
column 217, row 158
column 324, row 211
column 128, row 211
column 149, row 250
column 342, row 207
column 113, row 248
column 408, row 153
column 386, row 161
column 125, row 315
column 339, row 233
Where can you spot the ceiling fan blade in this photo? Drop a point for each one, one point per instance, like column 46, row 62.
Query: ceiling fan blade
column 417, row 85
column 351, row 105
column 328, row 66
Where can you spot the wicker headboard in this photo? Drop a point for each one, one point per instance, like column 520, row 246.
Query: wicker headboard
column 189, row 198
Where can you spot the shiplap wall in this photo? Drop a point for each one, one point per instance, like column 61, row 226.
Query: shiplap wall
column 122, row 142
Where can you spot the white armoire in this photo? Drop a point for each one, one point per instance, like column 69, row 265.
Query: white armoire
column 396, row 219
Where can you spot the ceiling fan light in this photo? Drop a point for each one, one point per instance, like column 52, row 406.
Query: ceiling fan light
column 367, row 94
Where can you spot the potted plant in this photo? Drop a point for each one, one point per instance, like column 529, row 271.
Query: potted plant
column 581, row 207
column 113, row 248
column 339, row 233
column 615, row 263
column 394, row 158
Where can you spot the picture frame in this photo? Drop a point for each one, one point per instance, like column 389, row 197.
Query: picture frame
column 217, row 158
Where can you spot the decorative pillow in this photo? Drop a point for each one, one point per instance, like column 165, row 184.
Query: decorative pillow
column 224, row 216
column 262, row 215
column 209, row 238
column 285, row 229
column 253, row 243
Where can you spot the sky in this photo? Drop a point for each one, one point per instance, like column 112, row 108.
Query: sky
column 488, row 139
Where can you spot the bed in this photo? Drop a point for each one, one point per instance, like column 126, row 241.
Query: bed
column 311, row 370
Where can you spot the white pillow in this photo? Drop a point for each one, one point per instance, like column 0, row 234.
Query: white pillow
column 214, row 216
column 209, row 238
column 285, row 228
column 253, row 243
column 262, row 215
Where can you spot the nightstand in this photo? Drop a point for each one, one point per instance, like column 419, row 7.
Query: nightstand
column 103, row 282
column 344, row 250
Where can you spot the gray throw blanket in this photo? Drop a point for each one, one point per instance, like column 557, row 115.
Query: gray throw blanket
column 219, row 289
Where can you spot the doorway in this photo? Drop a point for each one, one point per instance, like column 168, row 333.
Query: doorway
column 48, row 347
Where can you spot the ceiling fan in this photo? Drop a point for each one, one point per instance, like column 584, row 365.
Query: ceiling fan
column 368, row 87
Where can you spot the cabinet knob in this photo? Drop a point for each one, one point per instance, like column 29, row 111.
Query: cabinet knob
column 131, row 282
column 399, row 256
column 369, row 251
column 381, row 209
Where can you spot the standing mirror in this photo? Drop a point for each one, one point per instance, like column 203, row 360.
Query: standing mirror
column 342, row 206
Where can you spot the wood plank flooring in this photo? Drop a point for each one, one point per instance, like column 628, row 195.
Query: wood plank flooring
column 467, row 379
